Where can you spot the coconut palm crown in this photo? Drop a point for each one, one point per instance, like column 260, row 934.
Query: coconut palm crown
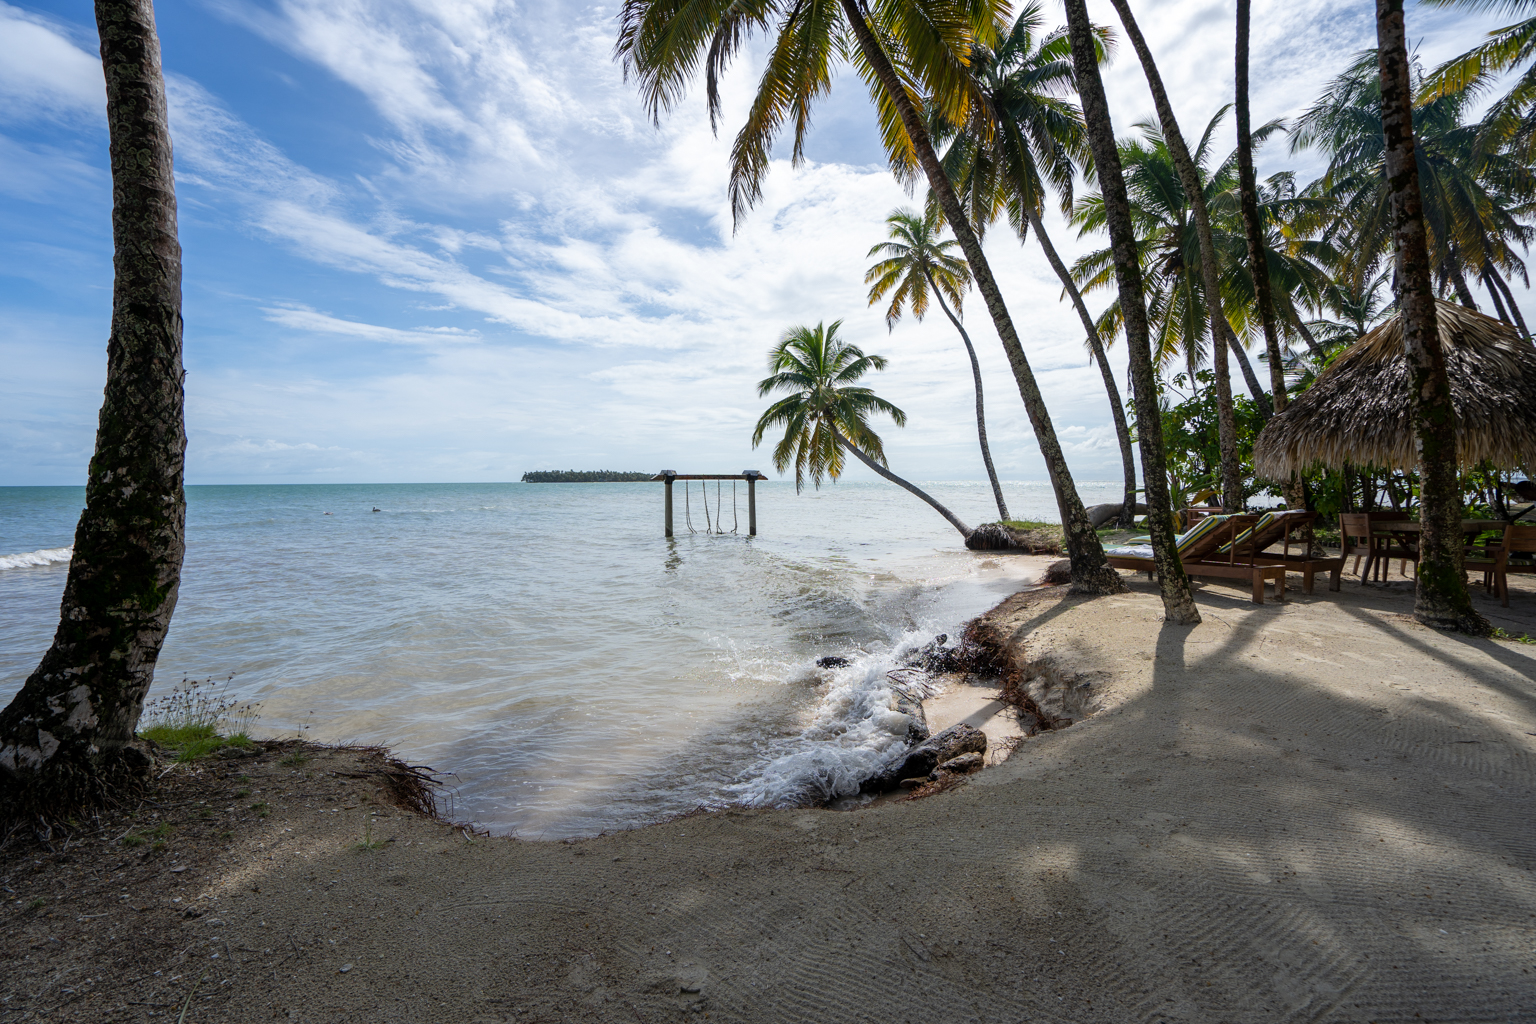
column 818, row 369
column 915, row 261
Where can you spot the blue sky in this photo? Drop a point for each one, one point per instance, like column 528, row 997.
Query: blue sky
column 435, row 240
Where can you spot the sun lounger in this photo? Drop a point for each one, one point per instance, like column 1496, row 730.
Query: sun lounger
column 1200, row 543
column 1286, row 527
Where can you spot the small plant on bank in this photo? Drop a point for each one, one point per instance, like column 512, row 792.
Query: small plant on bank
column 1517, row 638
column 261, row 808
column 196, row 719
column 297, row 759
column 369, row 843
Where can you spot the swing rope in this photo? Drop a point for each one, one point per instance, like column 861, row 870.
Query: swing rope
column 704, row 493
column 687, row 512
column 735, row 523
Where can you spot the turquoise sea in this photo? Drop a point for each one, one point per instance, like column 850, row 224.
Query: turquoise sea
column 571, row 668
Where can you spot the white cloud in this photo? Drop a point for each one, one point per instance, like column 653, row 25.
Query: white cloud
column 604, row 304
column 303, row 318
column 43, row 73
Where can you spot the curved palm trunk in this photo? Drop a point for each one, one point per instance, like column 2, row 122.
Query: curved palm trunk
column 1178, row 605
column 1498, row 300
column 1189, row 177
column 65, row 738
column 981, row 419
column 1248, row 196
column 1116, row 407
column 1440, row 589
column 1509, row 298
column 1261, row 400
column 1463, row 290
column 858, row 453
column 1090, row 572
column 1306, row 336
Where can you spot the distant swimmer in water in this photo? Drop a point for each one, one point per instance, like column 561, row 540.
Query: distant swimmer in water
column 330, row 513
column 377, row 509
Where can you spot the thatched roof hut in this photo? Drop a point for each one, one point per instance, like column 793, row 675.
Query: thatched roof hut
column 1357, row 410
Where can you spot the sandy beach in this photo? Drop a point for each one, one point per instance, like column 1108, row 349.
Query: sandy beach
column 1310, row 811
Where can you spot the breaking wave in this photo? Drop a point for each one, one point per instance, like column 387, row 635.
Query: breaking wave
column 43, row 556
column 855, row 728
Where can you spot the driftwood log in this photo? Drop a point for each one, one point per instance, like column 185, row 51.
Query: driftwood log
column 1098, row 515
column 922, row 759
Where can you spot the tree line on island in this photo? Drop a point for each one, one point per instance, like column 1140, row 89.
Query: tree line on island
column 583, row 476
column 995, row 117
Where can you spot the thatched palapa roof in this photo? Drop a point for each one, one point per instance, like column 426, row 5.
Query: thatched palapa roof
column 1357, row 410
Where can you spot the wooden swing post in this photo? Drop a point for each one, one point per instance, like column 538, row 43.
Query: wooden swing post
column 751, row 476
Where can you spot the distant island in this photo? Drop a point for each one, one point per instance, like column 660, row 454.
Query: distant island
column 583, row 476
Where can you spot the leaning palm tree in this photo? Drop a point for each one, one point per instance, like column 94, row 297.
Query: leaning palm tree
column 1178, row 604
column 903, row 49
column 918, row 264
column 66, row 738
column 824, row 415
column 1027, row 133
column 1221, row 329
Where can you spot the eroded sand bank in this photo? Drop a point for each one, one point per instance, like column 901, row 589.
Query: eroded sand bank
column 1314, row 811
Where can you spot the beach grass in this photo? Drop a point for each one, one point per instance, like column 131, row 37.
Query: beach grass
column 197, row 719
column 192, row 741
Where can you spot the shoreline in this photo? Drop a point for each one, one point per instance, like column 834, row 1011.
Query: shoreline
column 1314, row 810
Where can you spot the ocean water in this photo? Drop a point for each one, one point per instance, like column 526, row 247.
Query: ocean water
column 571, row 668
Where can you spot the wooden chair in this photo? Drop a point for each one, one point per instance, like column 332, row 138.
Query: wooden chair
column 1355, row 540
column 1514, row 555
column 1191, row 516
column 1384, row 549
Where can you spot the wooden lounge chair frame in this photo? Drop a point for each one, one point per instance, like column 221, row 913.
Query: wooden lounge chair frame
column 1287, row 529
column 1195, row 565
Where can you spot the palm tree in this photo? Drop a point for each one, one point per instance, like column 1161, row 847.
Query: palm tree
column 1511, row 120
column 1178, row 604
column 1472, row 197
column 1221, row 330
column 898, row 47
column 1440, row 590
column 918, row 264
column 66, row 739
column 823, row 415
column 1027, row 131
column 1253, row 225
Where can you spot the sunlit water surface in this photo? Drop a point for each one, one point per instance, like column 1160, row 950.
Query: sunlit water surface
column 574, row 670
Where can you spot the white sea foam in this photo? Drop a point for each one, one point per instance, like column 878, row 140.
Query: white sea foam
column 43, row 556
column 855, row 730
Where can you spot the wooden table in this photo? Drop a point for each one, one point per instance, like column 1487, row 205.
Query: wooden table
column 1408, row 532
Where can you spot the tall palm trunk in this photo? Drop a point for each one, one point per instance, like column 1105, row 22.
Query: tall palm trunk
column 1253, row 227
column 1189, row 177
column 1116, row 407
column 1178, row 605
column 858, row 453
column 981, row 419
column 65, row 738
column 1090, row 572
column 1440, row 592
column 1248, row 194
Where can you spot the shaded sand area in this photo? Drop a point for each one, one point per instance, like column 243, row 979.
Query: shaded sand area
column 1316, row 811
